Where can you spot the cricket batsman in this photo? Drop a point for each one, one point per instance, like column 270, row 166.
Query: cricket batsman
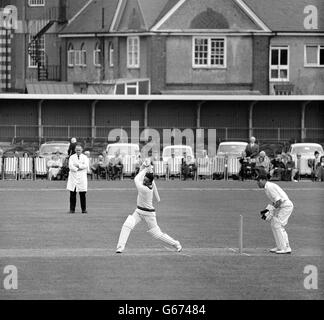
column 277, row 213
column 146, row 187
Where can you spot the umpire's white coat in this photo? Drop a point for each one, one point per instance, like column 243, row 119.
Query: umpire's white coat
column 78, row 177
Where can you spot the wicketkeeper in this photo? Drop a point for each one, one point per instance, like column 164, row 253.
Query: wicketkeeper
column 277, row 213
column 146, row 187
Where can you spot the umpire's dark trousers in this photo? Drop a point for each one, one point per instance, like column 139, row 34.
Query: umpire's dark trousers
column 82, row 200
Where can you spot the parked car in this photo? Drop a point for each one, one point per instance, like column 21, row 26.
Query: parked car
column 306, row 152
column 178, row 151
column 47, row 149
column 125, row 149
column 232, row 149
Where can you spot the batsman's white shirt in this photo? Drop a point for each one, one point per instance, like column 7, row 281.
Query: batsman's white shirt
column 145, row 194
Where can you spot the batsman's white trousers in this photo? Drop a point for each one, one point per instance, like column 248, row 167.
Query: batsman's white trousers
column 148, row 217
column 154, row 229
column 279, row 221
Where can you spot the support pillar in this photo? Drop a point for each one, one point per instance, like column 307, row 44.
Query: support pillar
column 302, row 124
column 93, row 121
column 251, row 118
column 198, row 119
column 146, row 106
column 39, row 121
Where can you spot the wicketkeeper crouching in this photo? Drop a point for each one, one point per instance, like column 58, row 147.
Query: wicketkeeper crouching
column 277, row 213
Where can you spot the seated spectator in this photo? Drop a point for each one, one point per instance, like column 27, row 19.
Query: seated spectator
column 65, row 169
column 188, row 167
column 262, row 162
column 25, row 175
column 291, row 173
column 277, row 168
column 247, row 167
column 99, row 168
column 115, row 166
column 314, row 165
column 204, row 154
column 54, row 167
column 320, row 169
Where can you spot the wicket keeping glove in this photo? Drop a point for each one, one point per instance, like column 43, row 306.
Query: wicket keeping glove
column 267, row 213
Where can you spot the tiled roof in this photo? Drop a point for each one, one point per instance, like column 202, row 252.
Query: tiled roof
column 90, row 19
column 169, row 5
column 278, row 15
column 153, row 9
column 286, row 15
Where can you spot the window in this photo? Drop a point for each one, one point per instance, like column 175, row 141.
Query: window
column 71, row 56
column 132, row 88
column 314, row 56
column 41, row 51
column 133, row 52
column 111, row 54
column 83, row 55
column 279, row 64
column 36, row 3
column 77, row 58
column 209, row 52
column 96, row 55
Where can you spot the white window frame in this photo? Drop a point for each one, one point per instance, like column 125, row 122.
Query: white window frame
column 133, row 64
column 281, row 67
column 209, row 65
column 317, row 64
column 70, row 56
column 31, row 64
column 111, row 54
column 132, row 86
column 83, row 53
column 77, row 58
column 36, row 3
column 96, row 55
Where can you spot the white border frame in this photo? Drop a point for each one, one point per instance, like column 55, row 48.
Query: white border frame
column 271, row 80
column 97, row 50
column 163, row 97
column 111, row 54
column 209, row 66
column 36, row 5
column 313, row 65
column 135, row 66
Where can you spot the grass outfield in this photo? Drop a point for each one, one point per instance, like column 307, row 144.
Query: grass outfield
column 62, row 256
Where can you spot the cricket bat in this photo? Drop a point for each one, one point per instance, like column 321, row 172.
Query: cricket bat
column 156, row 192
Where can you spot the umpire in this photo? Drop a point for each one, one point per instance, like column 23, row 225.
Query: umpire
column 78, row 180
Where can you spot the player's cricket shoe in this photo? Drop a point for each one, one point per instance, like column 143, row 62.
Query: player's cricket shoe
column 178, row 246
column 120, row 249
column 284, row 251
column 274, row 250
